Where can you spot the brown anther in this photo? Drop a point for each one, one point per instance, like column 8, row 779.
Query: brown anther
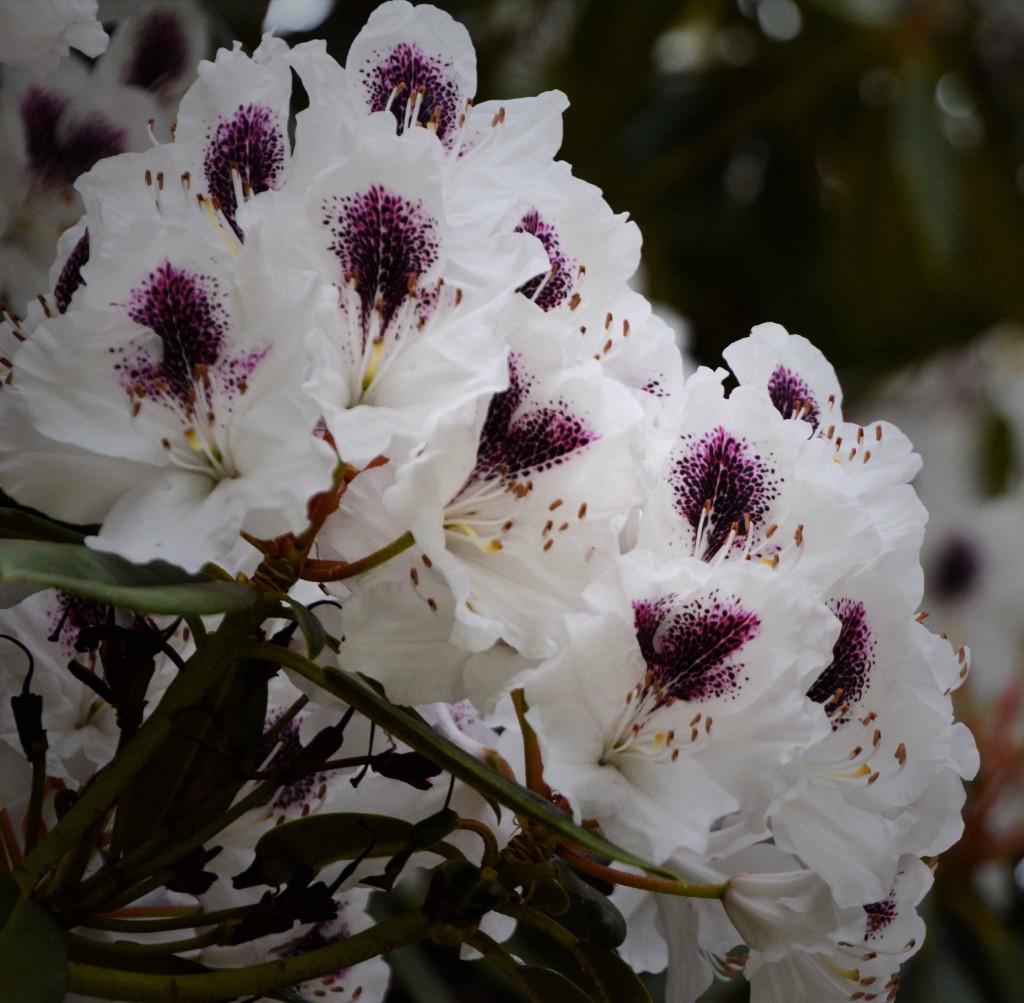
column 166, row 443
column 775, row 560
column 707, row 724
column 432, row 604
column 149, row 178
column 798, row 535
column 415, row 576
column 878, row 433
column 563, row 527
column 549, row 545
column 607, row 346
column 136, row 408
column 860, row 435
column 922, row 616
column 856, row 752
column 625, row 329
column 853, row 453
column 426, row 561
column 693, row 735
column 867, row 456
column 548, row 526
column 582, row 512
column 876, row 738
column 574, row 301
column 696, row 719
column 499, row 117
column 555, row 504
column 507, row 525
column 675, row 755
column 831, row 431
column 44, row 305
column 839, row 442
column 874, row 776
column 607, row 321
column 770, row 532
column 160, row 180
column 901, row 754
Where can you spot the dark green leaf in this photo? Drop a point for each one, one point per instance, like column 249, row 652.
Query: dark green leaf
column 615, row 980
column 157, row 587
column 18, row 525
column 311, row 627
column 33, row 961
column 550, row 987
column 323, row 839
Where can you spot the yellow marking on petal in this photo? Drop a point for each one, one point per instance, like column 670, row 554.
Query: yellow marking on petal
column 232, row 244
column 376, row 351
column 862, row 771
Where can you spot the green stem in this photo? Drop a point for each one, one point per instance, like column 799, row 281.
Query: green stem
column 664, row 886
column 207, row 668
column 492, row 855
column 257, row 980
column 130, row 948
column 539, row 921
column 336, row 571
column 531, row 748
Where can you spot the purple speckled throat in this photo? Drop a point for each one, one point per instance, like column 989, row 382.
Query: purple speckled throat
column 517, row 440
column 384, row 244
column 60, row 149
column 691, row 649
column 792, row 396
column 853, row 657
column 555, row 285
column 408, row 67
column 70, row 615
column 185, row 311
column 728, row 472
column 252, row 141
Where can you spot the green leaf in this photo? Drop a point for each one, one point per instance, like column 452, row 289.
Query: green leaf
column 616, row 981
column 18, row 525
column 551, row 987
column 323, row 839
column 33, row 961
column 157, row 587
column 311, row 627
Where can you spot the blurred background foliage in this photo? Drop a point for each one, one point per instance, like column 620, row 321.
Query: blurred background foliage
column 852, row 169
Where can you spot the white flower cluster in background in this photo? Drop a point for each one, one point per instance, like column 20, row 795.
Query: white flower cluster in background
column 708, row 596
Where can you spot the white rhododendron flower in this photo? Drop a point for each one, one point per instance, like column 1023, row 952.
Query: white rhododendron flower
column 376, row 373
column 35, row 35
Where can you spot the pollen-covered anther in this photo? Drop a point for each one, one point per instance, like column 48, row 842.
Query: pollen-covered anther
column 901, row 754
column 499, row 117
column 922, row 616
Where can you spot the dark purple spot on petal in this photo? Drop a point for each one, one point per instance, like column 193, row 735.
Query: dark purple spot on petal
column 70, row 277
column 554, row 286
column 853, row 656
column 655, row 388
column 59, row 149
column 725, row 471
column 518, row 439
column 690, row 648
column 792, row 397
column 408, row 67
column 956, row 568
column 70, row 615
column 286, row 745
column 880, row 916
column 184, row 310
column 384, row 244
column 159, row 51
column 253, row 142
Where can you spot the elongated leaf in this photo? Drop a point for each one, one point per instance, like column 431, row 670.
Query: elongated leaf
column 33, row 961
column 319, row 840
column 18, row 525
column 490, row 784
column 157, row 587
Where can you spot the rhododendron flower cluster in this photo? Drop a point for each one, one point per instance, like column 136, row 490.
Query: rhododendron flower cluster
column 378, row 375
